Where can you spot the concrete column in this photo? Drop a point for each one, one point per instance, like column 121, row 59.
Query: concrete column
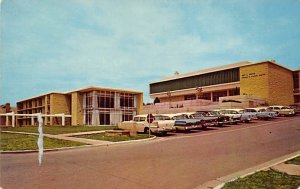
column 117, row 100
column 134, row 101
column 32, row 120
column 6, row 120
column 63, row 121
column 211, row 96
column 13, row 119
column 227, row 92
column 84, row 108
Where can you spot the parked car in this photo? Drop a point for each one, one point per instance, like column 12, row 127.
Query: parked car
column 158, row 126
column 296, row 108
column 221, row 119
column 205, row 119
column 234, row 116
column 269, row 110
column 246, row 116
column 283, row 110
column 183, row 123
column 261, row 113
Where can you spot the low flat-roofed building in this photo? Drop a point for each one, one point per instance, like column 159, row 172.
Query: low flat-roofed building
column 87, row 106
column 296, row 76
column 265, row 79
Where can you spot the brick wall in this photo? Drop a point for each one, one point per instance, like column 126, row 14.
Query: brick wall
column 60, row 103
column 254, row 80
column 280, row 86
column 77, row 108
column 268, row 81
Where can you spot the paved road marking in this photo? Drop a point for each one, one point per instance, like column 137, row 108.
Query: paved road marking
column 221, row 132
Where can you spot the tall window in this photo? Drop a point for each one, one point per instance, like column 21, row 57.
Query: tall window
column 218, row 94
column 105, row 99
column 126, row 100
column 89, row 100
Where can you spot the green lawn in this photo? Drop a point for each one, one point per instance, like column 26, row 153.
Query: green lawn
column 10, row 141
column 295, row 161
column 58, row 129
column 101, row 136
column 265, row 180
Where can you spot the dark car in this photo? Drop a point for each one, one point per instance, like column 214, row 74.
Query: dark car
column 221, row 119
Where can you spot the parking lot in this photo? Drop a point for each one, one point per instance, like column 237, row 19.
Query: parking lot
column 228, row 127
column 178, row 160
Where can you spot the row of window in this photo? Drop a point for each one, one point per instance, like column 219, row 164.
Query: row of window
column 214, row 96
column 219, row 77
column 107, row 99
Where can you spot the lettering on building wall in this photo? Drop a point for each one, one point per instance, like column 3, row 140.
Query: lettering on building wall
column 252, row 75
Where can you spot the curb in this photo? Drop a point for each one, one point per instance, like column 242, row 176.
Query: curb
column 218, row 183
column 78, row 147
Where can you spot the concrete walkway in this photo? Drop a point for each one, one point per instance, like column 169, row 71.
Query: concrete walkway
column 69, row 137
column 290, row 169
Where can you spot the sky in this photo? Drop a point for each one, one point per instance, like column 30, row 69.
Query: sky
column 55, row 45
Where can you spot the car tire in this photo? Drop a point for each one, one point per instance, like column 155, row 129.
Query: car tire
column 146, row 130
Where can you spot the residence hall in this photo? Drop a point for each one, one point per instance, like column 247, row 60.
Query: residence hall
column 274, row 83
column 87, row 106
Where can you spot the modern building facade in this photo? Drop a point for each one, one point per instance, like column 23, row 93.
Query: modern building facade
column 87, row 106
column 267, row 80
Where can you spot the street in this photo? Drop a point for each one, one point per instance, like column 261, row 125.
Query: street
column 179, row 160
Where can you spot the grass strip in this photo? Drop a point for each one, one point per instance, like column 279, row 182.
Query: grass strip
column 58, row 129
column 101, row 136
column 295, row 161
column 270, row 179
column 11, row 142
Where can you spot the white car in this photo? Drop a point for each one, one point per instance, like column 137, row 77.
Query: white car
column 283, row 110
column 243, row 117
column 262, row 113
column 245, row 114
column 160, row 125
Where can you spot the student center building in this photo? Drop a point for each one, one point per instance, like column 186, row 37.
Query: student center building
column 265, row 81
column 88, row 106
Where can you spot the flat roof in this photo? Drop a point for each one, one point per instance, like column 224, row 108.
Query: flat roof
column 86, row 89
column 93, row 88
column 218, row 68
column 38, row 96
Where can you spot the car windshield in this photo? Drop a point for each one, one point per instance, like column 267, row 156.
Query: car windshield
column 232, row 112
column 139, row 119
column 198, row 115
column 179, row 117
column 214, row 113
column 161, row 117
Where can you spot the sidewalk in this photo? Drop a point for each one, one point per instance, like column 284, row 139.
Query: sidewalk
column 276, row 164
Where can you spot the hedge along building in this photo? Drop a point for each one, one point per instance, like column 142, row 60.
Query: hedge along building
column 87, row 106
column 266, row 80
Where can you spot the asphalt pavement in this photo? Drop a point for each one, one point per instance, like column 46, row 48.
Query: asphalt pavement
column 175, row 161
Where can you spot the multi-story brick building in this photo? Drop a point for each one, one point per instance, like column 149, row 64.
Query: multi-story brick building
column 273, row 83
column 87, row 106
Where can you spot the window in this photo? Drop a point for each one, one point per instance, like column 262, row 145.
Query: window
column 214, row 78
column 126, row 100
column 190, row 97
column 206, row 96
column 104, row 118
column 218, row 94
column 105, row 99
